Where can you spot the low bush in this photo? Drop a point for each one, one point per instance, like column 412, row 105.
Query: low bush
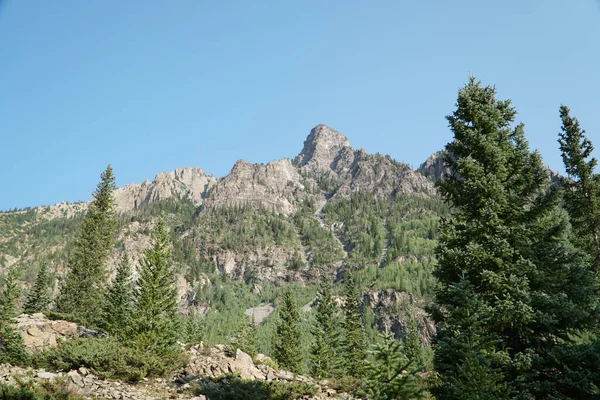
column 46, row 390
column 232, row 387
column 108, row 358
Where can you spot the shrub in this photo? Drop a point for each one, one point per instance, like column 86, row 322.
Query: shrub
column 232, row 387
column 107, row 358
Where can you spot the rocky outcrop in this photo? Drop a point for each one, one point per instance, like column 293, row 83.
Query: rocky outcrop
column 383, row 177
column 434, row 168
column 325, row 150
column 327, row 156
column 38, row 332
column 205, row 363
column 393, row 308
column 182, row 183
column 190, row 183
column 88, row 386
column 276, row 187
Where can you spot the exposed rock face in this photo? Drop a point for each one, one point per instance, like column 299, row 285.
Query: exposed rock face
column 434, row 168
column 327, row 153
column 276, row 186
column 62, row 210
column 323, row 148
column 38, row 332
column 383, row 177
column 192, row 183
column 393, row 308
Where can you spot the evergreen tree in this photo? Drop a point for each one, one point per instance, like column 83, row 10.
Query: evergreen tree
column 117, row 310
column 464, row 349
column 155, row 328
column 38, row 298
column 411, row 344
column 582, row 187
column 392, row 375
column 82, row 290
column 246, row 337
column 193, row 331
column 326, row 343
column 509, row 240
column 287, row 341
column 354, row 327
column 12, row 349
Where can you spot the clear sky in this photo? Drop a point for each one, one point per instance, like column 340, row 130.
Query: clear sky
column 151, row 85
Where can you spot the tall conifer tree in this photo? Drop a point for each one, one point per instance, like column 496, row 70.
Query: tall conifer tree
column 355, row 350
column 12, row 349
column 155, row 328
column 83, row 286
column 117, row 310
column 38, row 298
column 287, row 341
column 582, row 187
column 507, row 247
column 326, row 343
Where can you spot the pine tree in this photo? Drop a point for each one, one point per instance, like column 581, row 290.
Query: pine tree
column 354, row 327
column 325, row 348
column 582, row 187
column 12, row 349
column 38, row 298
column 392, row 375
column 117, row 310
column 509, row 240
column 411, row 344
column 82, row 290
column 155, row 328
column 287, row 341
column 464, row 349
column 246, row 337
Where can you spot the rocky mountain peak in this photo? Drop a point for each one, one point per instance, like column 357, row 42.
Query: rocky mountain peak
column 321, row 147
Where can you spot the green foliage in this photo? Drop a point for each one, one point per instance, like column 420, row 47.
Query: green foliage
column 406, row 224
column 117, row 309
column 326, row 344
column 38, row 298
column 354, row 344
column 412, row 348
column 392, row 375
column 232, row 387
column 81, row 291
column 108, row 358
column 465, row 349
column 15, row 393
column 287, row 341
column 321, row 245
column 193, row 330
column 582, row 188
column 12, row 349
column 245, row 339
column 155, row 327
column 510, row 242
column 56, row 389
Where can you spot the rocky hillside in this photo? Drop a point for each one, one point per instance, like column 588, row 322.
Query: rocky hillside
column 206, row 365
column 263, row 226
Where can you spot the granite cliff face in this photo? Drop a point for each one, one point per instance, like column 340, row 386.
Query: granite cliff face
column 327, row 156
column 434, row 168
column 276, row 186
column 190, row 183
column 182, row 183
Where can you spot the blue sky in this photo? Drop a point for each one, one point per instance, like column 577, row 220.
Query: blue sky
column 149, row 86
